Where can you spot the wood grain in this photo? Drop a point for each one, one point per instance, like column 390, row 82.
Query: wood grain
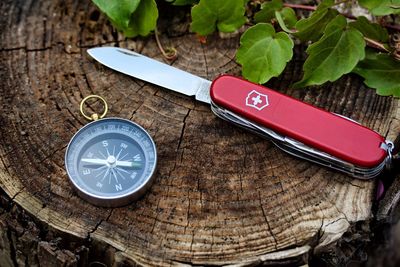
column 221, row 195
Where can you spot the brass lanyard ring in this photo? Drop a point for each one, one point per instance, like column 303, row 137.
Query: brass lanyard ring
column 94, row 116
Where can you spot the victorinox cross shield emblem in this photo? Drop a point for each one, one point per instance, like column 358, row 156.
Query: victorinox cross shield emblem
column 257, row 100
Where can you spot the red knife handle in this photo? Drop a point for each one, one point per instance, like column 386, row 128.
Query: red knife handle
column 315, row 127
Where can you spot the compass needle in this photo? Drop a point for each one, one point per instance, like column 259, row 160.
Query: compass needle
column 95, row 161
column 128, row 164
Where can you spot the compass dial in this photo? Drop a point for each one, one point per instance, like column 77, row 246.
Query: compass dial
column 111, row 161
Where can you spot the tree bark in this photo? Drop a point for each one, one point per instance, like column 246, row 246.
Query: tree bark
column 221, row 195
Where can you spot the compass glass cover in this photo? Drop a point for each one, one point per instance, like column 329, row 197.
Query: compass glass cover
column 110, row 158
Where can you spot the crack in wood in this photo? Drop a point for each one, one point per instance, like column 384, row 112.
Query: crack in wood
column 98, row 224
column 266, row 220
column 183, row 130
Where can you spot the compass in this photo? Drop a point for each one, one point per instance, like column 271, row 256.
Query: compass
column 110, row 161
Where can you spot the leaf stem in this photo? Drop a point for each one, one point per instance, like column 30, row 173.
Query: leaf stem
column 298, row 6
column 308, row 7
column 376, row 44
column 170, row 54
column 313, row 8
column 391, row 26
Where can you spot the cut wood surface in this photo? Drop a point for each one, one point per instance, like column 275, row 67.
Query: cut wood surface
column 221, row 195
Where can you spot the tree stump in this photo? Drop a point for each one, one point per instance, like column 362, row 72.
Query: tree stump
column 221, row 195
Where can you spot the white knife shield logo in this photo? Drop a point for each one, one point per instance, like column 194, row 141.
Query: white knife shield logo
column 257, row 100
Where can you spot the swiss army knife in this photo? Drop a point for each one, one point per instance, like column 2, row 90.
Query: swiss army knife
column 296, row 127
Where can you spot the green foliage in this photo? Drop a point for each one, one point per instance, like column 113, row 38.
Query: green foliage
column 381, row 72
column 263, row 53
column 132, row 17
column 381, row 7
column 325, row 4
column 119, row 12
column 312, row 28
column 183, row 2
column 267, row 12
column 335, row 46
column 144, row 19
column 371, row 30
column 286, row 18
column 335, row 54
column 226, row 16
column 289, row 16
column 274, row 9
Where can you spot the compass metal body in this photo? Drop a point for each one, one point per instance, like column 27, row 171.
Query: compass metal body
column 111, row 162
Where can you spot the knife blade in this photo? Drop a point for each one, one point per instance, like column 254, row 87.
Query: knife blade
column 294, row 126
column 153, row 71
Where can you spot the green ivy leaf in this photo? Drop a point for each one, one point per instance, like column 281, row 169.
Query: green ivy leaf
column 312, row 28
column 263, row 53
column 119, row 12
column 143, row 20
column 132, row 17
column 381, row 72
column 370, row 30
column 267, row 12
column 289, row 16
column 286, row 18
column 227, row 16
column 336, row 53
column 325, row 4
column 381, row 7
column 183, row 2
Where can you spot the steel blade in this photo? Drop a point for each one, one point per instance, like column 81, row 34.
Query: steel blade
column 152, row 71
